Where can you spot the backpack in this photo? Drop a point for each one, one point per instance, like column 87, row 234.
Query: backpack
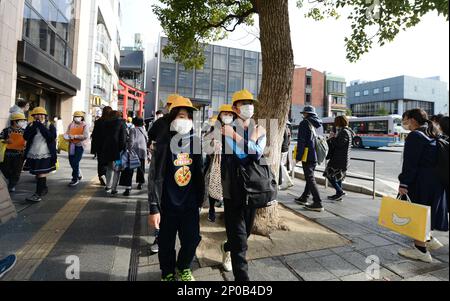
column 442, row 168
column 321, row 144
column 258, row 181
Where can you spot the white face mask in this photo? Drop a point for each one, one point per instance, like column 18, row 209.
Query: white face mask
column 78, row 119
column 227, row 120
column 247, row 111
column 182, row 126
column 22, row 124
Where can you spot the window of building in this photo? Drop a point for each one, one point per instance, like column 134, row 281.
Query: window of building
column 308, row 99
column 376, row 91
column 387, row 89
column 168, row 76
column 202, row 83
column 357, row 94
column 251, row 62
column 220, row 58
column 103, row 41
column 236, row 60
column 102, row 82
column 366, row 92
column 308, row 81
column 50, row 26
column 250, row 83
column 185, row 81
column 234, row 83
column 219, row 81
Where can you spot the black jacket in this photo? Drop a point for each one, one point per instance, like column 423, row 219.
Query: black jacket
column 306, row 138
column 340, row 148
column 286, row 140
column 158, row 128
column 98, row 136
column 115, row 140
column 48, row 131
column 158, row 167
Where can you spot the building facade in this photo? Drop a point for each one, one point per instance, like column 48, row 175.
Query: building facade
column 397, row 95
column 335, row 95
column 308, row 89
column 38, row 46
column 59, row 55
column 226, row 71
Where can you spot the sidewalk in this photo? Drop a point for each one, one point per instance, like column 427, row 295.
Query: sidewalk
column 356, row 219
column 111, row 238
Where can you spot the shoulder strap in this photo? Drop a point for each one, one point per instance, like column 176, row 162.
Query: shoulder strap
column 313, row 130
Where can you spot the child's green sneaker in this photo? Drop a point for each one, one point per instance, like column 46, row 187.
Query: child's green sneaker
column 186, row 275
column 169, row 278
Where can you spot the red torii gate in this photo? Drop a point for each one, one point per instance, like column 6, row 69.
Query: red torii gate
column 129, row 92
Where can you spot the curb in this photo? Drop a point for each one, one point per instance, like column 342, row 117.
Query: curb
column 346, row 186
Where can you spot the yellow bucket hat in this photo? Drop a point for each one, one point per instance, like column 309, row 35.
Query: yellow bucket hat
column 17, row 117
column 182, row 102
column 79, row 114
column 171, row 98
column 243, row 95
column 39, row 111
column 226, row 109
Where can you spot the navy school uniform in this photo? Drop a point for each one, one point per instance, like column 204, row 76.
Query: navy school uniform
column 419, row 177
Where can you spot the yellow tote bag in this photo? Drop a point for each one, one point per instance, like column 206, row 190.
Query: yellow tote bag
column 406, row 218
column 2, row 151
column 63, row 144
column 305, row 154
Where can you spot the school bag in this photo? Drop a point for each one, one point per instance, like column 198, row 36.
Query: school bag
column 321, row 144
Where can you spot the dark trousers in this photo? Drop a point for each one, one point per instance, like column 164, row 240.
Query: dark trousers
column 238, row 223
column 101, row 166
column 126, row 178
column 12, row 167
column 75, row 161
column 311, row 185
column 187, row 225
column 336, row 185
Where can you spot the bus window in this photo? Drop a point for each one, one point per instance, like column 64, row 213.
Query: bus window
column 359, row 127
column 378, row 127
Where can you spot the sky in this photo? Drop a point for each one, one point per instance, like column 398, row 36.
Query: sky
column 422, row 51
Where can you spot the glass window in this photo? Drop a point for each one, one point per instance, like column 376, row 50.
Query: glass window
column 185, row 81
column 234, row 82
column 219, row 81
column 387, row 89
column 103, row 40
column 236, row 63
column 357, row 94
column 366, row 92
column 220, row 61
column 251, row 62
column 202, row 83
column 168, row 75
column 250, row 83
column 376, row 91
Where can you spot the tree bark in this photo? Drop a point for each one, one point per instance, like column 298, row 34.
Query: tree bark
column 276, row 93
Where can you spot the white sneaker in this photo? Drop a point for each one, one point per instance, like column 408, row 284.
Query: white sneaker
column 434, row 244
column 416, row 254
column 226, row 259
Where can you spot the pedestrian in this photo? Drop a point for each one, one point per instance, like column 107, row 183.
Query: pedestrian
column 40, row 151
column 306, row 153
column 98, row 139
column 22, row 106
column 443, row 124
column 418, row 179
column 114, row 144
column 137, row 143
column 12, row 164
column 158, row 128
column 7, row 264
column 284, row 174
column 247, row 142
column 178, row 192
column 77, row 134
column 130, row 123
column 214, row 148
column 340, row 144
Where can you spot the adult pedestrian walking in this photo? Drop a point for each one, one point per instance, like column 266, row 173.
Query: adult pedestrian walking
column 178, row 192
column 419, row 181
column 115, row 143
column 40, row 152
column 137, row 143
column 246, row 142
column 306, row 153
column 284, row 174
column 98, row 139
column 77, row 134
column 340, row 144
column 12, row 164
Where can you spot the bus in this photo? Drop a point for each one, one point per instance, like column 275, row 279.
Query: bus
column 374, row 132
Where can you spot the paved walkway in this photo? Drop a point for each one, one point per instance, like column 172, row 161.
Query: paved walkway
column 110, row 237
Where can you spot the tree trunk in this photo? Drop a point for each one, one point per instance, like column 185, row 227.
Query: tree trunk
column 276, row 93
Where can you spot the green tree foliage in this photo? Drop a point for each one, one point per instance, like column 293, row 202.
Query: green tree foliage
column 374, row 20
column 190, row 23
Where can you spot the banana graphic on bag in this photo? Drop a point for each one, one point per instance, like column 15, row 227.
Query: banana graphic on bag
column 400, row 221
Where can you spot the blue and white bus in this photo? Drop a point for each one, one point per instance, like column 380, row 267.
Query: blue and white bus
column 374, row 132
